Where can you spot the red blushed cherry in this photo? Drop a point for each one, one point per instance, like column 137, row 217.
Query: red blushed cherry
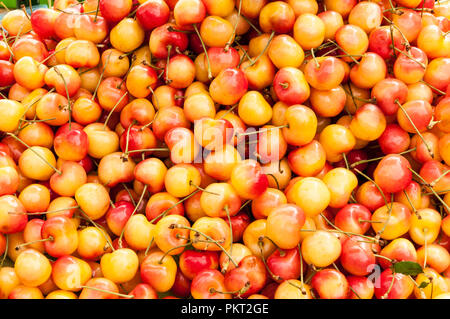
column 192, row 262
column 209, row 284
column 71, row 142
column 353, row 218
column 143, row 291
column 135, row 138
column 248, row 278
column 62, row 236
column 393, row 173
column 152, row 14
column 434, row 172
column 380, row 41
column 285, row 264
column 114, row 11
column 330, row 284
column 393, row 286
column 182, row 285
column 43, row 22
column 362, row 287
column 228, row 86
column 163, row 37
column 387, row 92
column 221, row 58
column 290, row 86
column 248, row 179
column 6, row 73
column 394, row 140
column 117, row 217
column 357, row 256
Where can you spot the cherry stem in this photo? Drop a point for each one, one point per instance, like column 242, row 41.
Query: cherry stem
column 409, row 56
column 34, row 151
column 50, row 238
column 68, row 96
column 314, row 58
column 415, row 128
column 263, row 51
column 100, row 228
column 172, row 249
column 431, row 188
column 134, row 211
column 251, row 24
column 125, row 154
column 227, row 263
column 129, row 194
column 379, row 158
column 349, row 55
column 202, row 189
column 101, row 77
column 164, row 213
column 107, row 291
column 231, row 40
column 345, row 232
column 239, row 292
column 205, row 50
column 275, row 277
column 210, row 239
column 263, row 130
column 432, row 87
column 113, row 109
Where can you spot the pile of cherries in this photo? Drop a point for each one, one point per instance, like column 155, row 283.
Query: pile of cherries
column 225, row 149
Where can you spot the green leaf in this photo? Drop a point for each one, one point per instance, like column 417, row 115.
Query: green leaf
column 407, row 268
column 423, row 284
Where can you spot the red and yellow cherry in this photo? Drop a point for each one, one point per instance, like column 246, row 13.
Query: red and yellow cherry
column 438, row 257
column 259, row 72
column 401, row 286
column 248, row 278
column 136, row 138
column 357, row 256
column 170, row 239
column 71, row 142
column 267, row 201
column 248, row 179
column 164, row 37
column 277, row 16
column 382, row 41
column 168, row 118
column 160, row 203
column 285, row 264
column 158, row 270
column 151, row 172
column 361, row 287
column 286, row 219
column 228, row 86
column 117, row 216
column 216, row 31
column 328, row 103
column 290, row 86
column 115, row 12
column 86, row 111
column 92, row 243
column 353, row 218
column 330, row 284
column 220, row 200
column 336, row 139
column 43, row 22
column 69, row 273
column 102, row 288
column 139, row 110
column 114, row 169
column 61, row 234
column 209, row 284
column 408, row 70
column 187, row 12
